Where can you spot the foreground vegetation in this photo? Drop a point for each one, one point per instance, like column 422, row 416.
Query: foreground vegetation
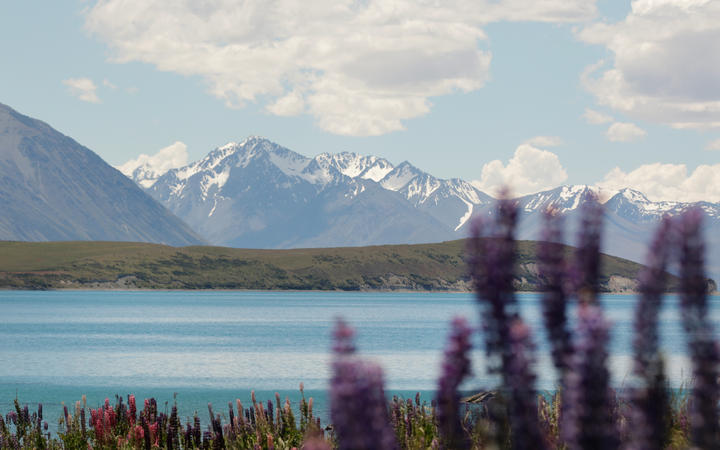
column 585, row 413
column 112, row 265
column 414, row 425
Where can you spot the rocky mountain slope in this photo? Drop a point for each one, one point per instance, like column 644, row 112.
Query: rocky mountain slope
column 52, row 188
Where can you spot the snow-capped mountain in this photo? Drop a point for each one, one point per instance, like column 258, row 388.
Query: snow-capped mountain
column 258, row 194
column 630, row 220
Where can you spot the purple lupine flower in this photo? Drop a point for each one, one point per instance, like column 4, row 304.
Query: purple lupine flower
column 357, row 398
column 231, row 417
column 492, row 261
column 589, row 420
column 174, row 427
column 197, row 438
column 455, row 367
column 343, row 338
column 271, row 417
column 492, row 265
column 525, row 427
column 585, row 271
column 649, row 417
column 316, row 443
column 702, row 345
column 551, row 268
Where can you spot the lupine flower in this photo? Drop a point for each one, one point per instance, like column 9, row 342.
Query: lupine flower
column 455, row 367
column 589, row 420
column 525, row 430
column 196, row 431
column 492, row 262
column 492, row 266
column 83, row 427
column 551, row 268
column 586, row 265
column 316, row 443
column 271, row 417
column 343, row 338
column 357, row 398
column 132, row 410
column 702, row 345
column 174, row 426
column 649, row 427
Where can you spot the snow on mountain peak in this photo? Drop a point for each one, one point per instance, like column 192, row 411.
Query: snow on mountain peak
column 634, row 196
column 399, row 177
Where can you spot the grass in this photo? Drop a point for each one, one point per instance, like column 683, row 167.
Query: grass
column 431, row 267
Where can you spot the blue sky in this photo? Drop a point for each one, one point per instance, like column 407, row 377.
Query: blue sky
column 531, row 93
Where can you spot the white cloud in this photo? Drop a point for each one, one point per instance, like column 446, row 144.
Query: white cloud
column 666, row 65
column 109, row 84
column 153, row 166
column 713, row 145
column 82, row 88
column 669, row 182
column 545, row 141
column 624, row 132
column 359, row 67
column 595, row 117
column 529, row 170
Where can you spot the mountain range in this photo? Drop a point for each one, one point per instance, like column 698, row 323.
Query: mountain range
column 54, row 189
column 258, row 194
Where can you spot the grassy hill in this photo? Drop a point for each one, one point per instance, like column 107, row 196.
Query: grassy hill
column 107, row 265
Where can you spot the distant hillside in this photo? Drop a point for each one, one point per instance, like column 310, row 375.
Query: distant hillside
column 112, row 265
column 52, row 189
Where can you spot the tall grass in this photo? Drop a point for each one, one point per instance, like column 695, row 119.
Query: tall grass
column 583, row 413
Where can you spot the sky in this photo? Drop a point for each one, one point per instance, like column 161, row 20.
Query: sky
column 530, row 93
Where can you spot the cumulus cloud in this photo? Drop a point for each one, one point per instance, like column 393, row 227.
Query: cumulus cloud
column 595, row 117
column 358, row 67
column 624, row 132
column 82, row 88
column 713, row 145
column 529, row 170
column 666, row 65
column 153, row 166
column 668, row 182
column 545, row 141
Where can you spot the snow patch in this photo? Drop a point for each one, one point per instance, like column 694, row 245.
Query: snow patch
column 378, row 171
column 398, row 179
column 466, row 216
column 289, row 164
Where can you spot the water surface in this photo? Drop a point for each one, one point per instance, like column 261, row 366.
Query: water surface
column 217, row 346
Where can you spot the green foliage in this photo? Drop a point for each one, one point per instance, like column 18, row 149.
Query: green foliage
column 438, row 267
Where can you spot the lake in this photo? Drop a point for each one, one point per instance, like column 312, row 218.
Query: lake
column 207, row 346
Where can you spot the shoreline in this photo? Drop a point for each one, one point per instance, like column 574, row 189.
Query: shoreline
column 329, row 291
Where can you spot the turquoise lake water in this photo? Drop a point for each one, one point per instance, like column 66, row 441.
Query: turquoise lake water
column 216, row 346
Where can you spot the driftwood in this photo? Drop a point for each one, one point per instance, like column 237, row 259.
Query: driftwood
column 480, row 397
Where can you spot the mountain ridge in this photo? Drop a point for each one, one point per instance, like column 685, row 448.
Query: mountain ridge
column 53, row 188
column 336, row 199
